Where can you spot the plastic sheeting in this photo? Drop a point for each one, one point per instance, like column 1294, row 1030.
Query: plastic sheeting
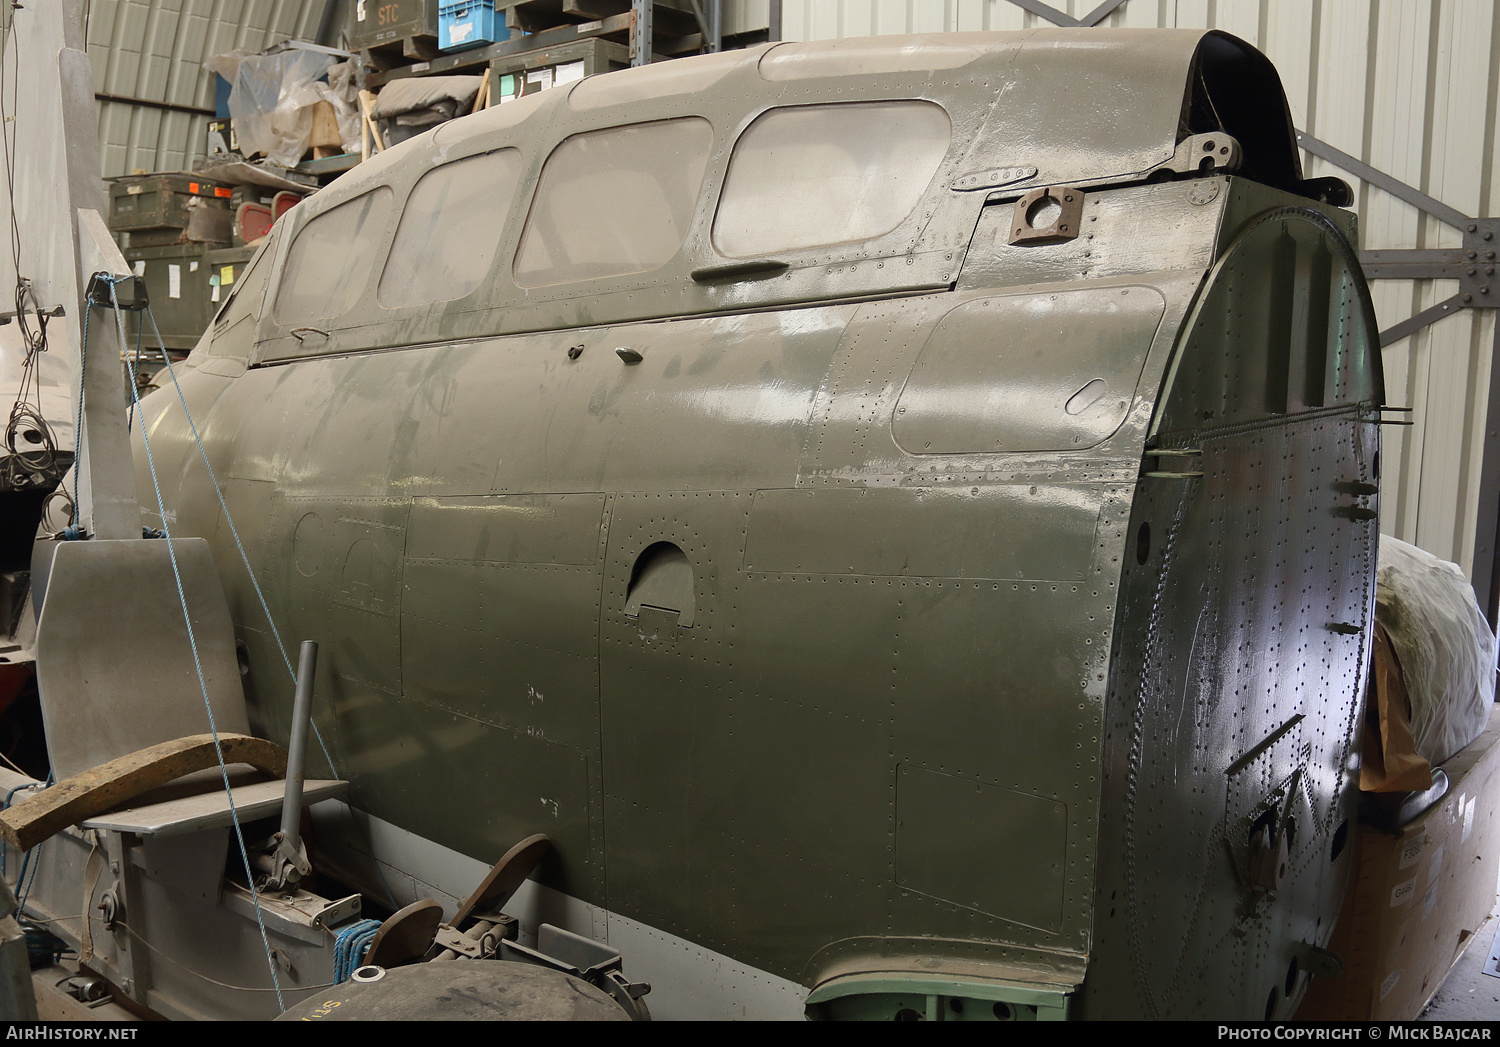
column 271, row 100
column 341, row 92
column 1445, row 646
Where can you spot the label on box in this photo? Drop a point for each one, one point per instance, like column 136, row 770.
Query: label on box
column 226, row 275
column 359, row 10
column 1468, row 820
column 569, row 72
column 1435, row 865
column 458, row 32
column 192, row 187
column 139, row 269
column 174, row 280
column 1403, row 892
column 223, row 191
column 1389, row 983
column 1429, row 901
column 1411, row 851
column 192, row 267
column 213, row 292
column 589, row 27
column 541, row 77
column 135, row 190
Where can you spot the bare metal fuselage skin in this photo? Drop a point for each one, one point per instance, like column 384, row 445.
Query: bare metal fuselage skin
column 964, row 690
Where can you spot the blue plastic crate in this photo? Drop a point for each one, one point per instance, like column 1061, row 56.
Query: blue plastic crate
column 469, row 24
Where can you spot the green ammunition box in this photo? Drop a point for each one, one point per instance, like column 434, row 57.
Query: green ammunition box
column 163, row 201
column 177, row 283
column 383, row 21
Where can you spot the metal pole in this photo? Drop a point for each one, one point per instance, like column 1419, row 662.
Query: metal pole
column 296, row 754
column 328, row 25
column 1485, row 567
column 640, row 32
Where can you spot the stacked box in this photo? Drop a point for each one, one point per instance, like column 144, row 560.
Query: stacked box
column 1419, row 895
column 469, row 23
column 162, row 209
column 177, row 283
column 515, row 75
column 225, row 265
column 371, row 24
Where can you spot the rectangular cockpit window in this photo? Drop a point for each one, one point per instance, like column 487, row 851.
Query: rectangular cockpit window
column 329, row 263
column 812, row 176
column 614, row 202
column 246, row 294
column 450, row 229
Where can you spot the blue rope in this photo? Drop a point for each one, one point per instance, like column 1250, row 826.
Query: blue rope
column 27, row 876
column 43, row 948
column 245, row 559
column 197, row 662
column 5, row 847
column 350, row 945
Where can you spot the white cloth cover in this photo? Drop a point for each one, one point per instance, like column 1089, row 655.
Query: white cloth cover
column 1445, row 646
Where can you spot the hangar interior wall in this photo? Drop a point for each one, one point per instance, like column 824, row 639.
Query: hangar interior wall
column 1407, row 86
column 154, row 50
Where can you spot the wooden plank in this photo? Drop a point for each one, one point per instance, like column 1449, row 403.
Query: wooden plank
column 108, row 785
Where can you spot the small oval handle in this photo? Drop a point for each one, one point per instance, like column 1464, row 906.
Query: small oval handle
column 301, row 333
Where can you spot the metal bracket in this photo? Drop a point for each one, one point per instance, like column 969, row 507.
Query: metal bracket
column 1049, row 215
column 129, row 292
column 448, row 938
column 1319, row 962
column 283, row 860
column 336, row 912
column 1472, row 265
column 1205, row 154
column 1172, row 456
column 8, row 316
column 1477, row 286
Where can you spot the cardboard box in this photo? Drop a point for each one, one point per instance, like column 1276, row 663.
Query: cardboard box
column 1419, row 895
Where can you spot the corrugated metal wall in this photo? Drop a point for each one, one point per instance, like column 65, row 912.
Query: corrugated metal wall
column 154, row 50
column 1408, row 86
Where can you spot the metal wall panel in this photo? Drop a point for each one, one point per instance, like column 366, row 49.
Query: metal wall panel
column 154, row 50
column 1407, row 86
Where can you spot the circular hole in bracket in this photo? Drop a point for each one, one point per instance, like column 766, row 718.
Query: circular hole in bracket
column 1044, row 213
